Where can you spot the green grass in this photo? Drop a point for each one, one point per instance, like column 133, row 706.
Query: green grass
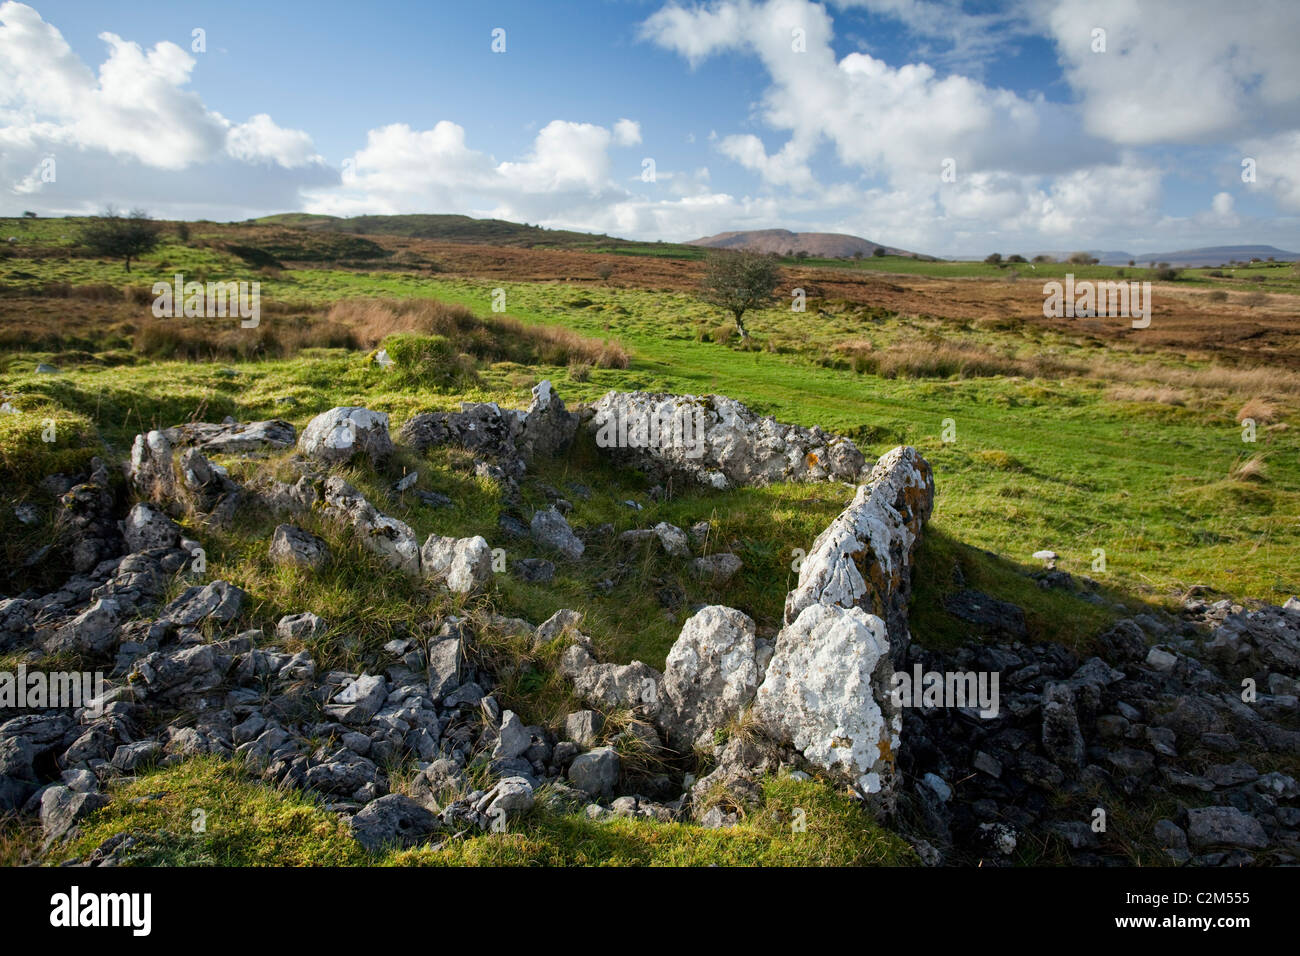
column 1044, row 460
column 250, row 824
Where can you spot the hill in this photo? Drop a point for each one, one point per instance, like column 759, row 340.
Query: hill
column 821, row 245
column 449, row 228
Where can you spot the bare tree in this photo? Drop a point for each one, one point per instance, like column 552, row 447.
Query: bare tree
column 738, row 282
column 121, row 237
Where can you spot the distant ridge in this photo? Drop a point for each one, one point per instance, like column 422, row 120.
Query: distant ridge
column 823, row 245
column 1188, row 258
column 448, row 228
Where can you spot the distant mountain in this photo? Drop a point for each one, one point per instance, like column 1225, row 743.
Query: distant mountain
column 1185, row 258
column 1216, row 255
column 823, row 245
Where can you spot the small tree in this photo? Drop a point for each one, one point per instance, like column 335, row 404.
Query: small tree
column 738, row 282
column 993, row 259
column 878, row 252
column 121, row 237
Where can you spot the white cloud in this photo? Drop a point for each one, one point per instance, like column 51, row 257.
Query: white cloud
column 627, row 132
column 1277, row 166
column 1183, row 72
column 134, row 113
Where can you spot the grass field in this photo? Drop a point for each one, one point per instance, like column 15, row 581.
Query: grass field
column 1082, row 438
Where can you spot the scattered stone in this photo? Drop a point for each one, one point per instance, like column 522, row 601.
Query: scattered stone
column 1224, row 826
column 551, row 530
column 62, row 808
column 533, row 570
column 596, row 771
column 393, row 821
column 464, row 565
column 717, row 569
column 298, row 548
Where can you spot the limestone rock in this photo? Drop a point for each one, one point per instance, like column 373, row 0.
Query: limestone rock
column 334, row 437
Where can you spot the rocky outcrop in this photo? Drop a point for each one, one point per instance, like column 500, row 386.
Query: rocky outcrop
column 864, row 558
column 233, row 438
column 155, row 475
column 716, row 441
column 547, row 428
column 504, row 439
column 86, row 527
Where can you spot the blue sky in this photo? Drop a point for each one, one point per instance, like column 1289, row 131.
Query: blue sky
column 773, row 113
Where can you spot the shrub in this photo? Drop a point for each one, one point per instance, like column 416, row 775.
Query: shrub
column 1218, row 295
column 428, row 361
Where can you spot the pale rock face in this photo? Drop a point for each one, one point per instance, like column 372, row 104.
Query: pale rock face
column 711, row 675
column 151, row 472
column 387, row 537
column 612, row 686
column 335, row 436
column 878, row 531
column 463, row 564
column 824, row 692
column 717, row 441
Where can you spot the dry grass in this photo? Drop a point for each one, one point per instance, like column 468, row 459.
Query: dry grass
column 1252, row 469
column 1156, row 394
column 494, row 339
column 1259, row 410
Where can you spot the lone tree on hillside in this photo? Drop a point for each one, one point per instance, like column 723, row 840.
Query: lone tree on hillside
column 738, row 282
column 121, row 237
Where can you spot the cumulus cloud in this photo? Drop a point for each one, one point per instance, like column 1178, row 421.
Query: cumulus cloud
column 1184, row 72
column 837, row 141
column 135, row 110
column 627, row 132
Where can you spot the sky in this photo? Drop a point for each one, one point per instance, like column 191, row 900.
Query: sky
column 940, row 126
